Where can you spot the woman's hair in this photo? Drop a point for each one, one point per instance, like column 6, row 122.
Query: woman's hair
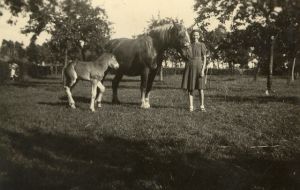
column 200, row 35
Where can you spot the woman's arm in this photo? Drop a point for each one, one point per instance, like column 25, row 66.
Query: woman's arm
column 204, row 60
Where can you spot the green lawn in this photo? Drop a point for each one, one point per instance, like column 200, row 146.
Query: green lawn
column 245, row 140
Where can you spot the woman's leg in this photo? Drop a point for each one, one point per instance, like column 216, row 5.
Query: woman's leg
column 201, row 96
column 191, row 100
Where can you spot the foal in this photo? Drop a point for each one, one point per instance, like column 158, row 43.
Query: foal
column 88, row 71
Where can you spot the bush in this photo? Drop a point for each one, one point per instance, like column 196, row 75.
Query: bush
column 4, row 71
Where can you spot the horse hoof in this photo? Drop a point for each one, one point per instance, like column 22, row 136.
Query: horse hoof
column 99, row 105
column 92, row 110
column 72, row 106
column 144, row 106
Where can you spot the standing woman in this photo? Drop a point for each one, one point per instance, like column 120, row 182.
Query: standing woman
column 193, row 77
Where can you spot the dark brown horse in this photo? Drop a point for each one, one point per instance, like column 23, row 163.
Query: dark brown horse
column 143, row 56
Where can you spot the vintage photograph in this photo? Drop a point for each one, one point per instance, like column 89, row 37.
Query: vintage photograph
column 149, row 94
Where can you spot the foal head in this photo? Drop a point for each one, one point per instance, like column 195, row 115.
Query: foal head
column 112, row 61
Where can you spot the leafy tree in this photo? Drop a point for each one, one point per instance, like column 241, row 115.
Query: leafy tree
column 258, row 19
column 12, row 50
column 75, row 26
column 79, row 27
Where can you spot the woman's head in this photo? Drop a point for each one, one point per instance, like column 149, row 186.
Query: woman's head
column 196, row 35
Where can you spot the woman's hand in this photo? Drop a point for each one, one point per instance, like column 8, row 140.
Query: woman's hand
column 202, row 73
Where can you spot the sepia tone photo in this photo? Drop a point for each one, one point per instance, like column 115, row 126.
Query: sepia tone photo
column 149, row 94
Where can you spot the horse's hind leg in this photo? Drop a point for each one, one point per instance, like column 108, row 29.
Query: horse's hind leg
column 101, row 89
column 94, row 93
column 115, row 85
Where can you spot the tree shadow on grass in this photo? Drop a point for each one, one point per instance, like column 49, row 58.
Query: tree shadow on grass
column 40, row 160
column 256, row 99
column 35, row 84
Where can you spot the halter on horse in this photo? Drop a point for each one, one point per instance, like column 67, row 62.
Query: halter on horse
column 144, row 55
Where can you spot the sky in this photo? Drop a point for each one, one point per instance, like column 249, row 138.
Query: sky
column 129, row 17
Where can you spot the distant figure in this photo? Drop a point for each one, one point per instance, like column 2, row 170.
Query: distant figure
column 89, row 71
column 13, row 70
column 194, row 76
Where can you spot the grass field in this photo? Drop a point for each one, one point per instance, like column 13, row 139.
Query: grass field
column 245, row 140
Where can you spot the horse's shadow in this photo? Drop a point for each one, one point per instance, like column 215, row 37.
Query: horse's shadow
column 87, row 100
column 60, row 161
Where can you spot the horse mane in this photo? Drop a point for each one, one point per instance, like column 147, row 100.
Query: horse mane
column 162, row 33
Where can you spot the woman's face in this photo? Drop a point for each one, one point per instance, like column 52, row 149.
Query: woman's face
column 196, row 36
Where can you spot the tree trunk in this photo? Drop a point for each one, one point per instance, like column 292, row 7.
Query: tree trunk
column 66, row 58
column 293, row 70
column 257, row 71
column 231, row 68
column 269, row 79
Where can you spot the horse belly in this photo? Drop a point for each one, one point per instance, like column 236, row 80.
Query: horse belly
column 83, row 72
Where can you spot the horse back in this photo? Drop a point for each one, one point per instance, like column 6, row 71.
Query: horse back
column 132, row 54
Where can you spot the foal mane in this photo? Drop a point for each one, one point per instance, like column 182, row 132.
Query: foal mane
column 103, row 58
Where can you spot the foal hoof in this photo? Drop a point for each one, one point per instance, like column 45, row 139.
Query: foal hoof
column 72, row 106
column 92, row 110
column 99, row 105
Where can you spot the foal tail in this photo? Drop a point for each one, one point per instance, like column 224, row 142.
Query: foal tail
column 63, row 74
column 63, row 78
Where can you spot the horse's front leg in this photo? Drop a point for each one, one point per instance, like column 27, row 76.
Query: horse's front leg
column 115, row 85
column 144, row 81
column 151, row 78
column 101, row 91
column 94, row 93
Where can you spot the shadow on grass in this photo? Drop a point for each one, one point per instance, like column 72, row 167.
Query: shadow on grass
column 257, row 99
column 54, row 103
column 87, row 100
column 40, row 83
column 39, row 160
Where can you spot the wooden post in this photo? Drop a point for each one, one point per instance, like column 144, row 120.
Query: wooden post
column 161, row 77
column 269, row 79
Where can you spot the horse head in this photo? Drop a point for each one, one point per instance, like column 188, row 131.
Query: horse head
column 181, row 40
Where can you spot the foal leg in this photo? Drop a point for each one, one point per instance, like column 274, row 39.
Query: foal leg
column 94, row 92
column 70, row 98
column 72, row 80
column 144, row 81
column 101, row 91
column 115, row 85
